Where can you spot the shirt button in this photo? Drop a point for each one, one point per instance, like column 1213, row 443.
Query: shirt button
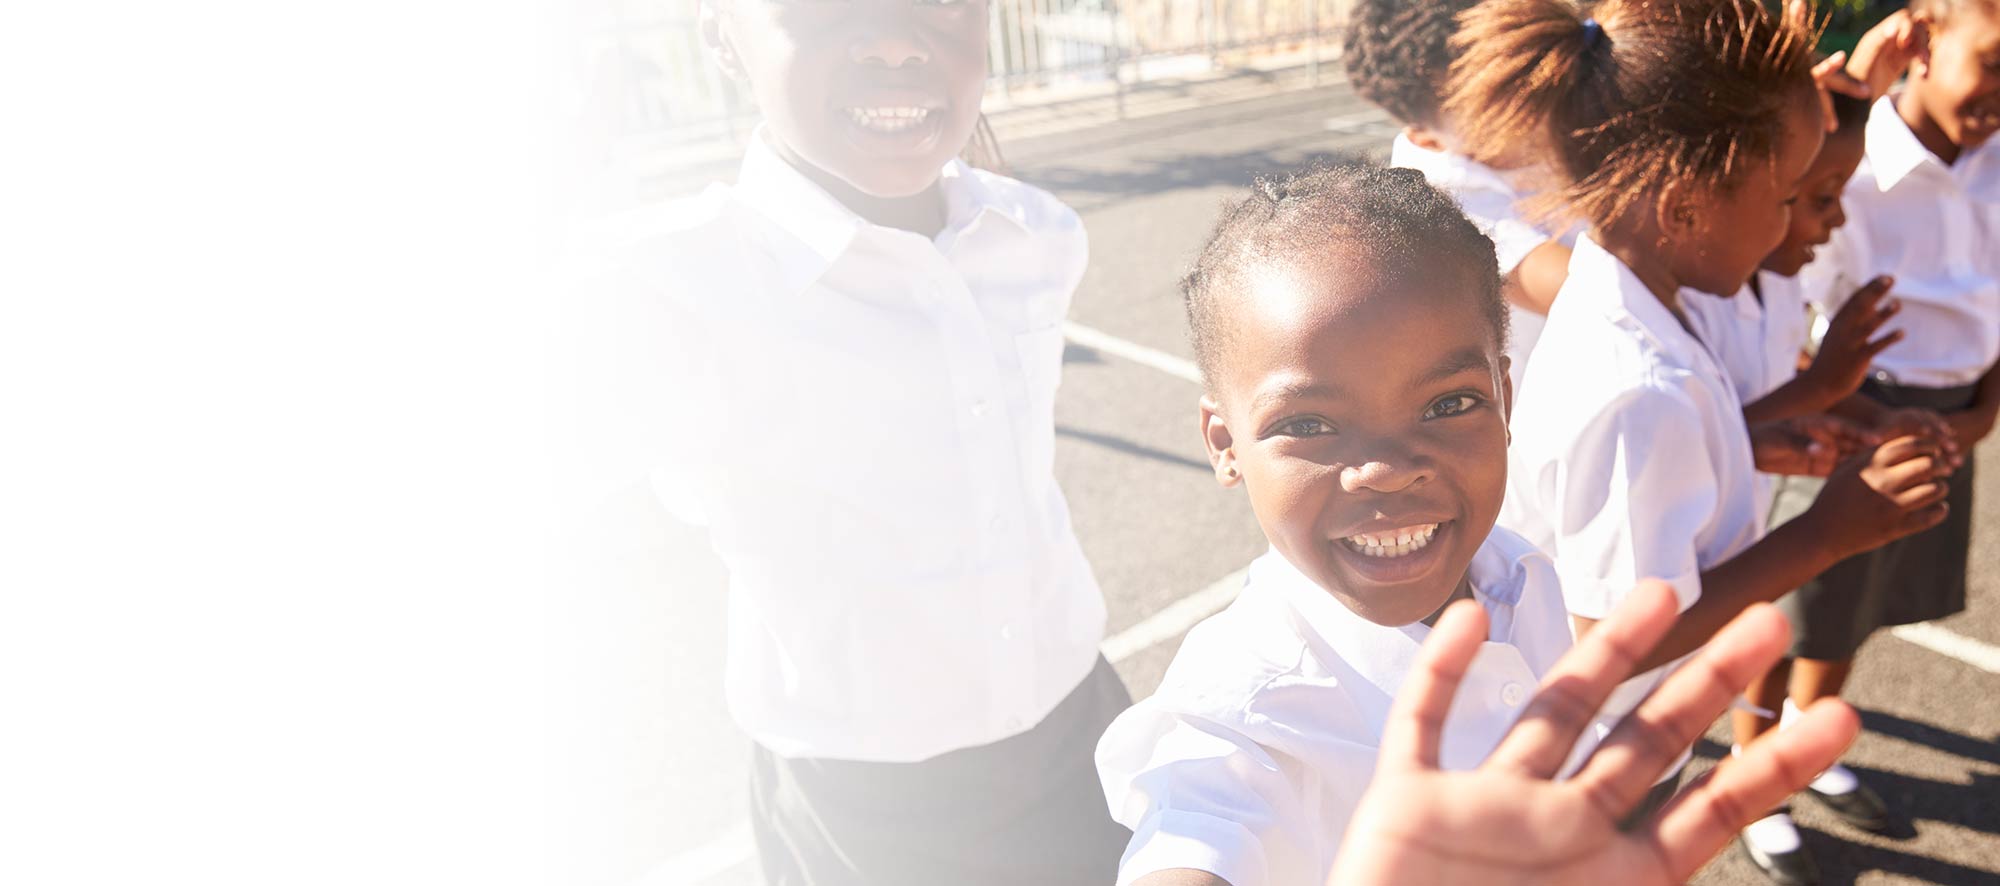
column 1512, row 694
column 980, row 409
column 1006, row 632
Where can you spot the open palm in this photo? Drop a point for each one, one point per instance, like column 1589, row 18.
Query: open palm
column 1509, row 821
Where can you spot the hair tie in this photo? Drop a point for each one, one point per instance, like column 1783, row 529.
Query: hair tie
column 1593, row 33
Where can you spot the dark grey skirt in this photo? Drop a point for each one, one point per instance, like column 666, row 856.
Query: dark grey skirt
column 1914, row 579
column 1026, row 809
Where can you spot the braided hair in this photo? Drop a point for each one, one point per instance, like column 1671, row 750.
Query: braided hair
column 1389, row 221
column 1399, row 52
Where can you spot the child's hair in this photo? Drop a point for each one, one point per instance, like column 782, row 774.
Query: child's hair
column 1399, row 52
column 1850, row 114
column 1391, row 220
column 1641, row 94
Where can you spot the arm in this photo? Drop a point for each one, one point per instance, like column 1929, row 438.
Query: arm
column 1973, row 424
column 1841, row 365
column 1533, row 283
column 1897, row 491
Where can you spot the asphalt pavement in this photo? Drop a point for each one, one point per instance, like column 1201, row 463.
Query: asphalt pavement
column 1158, row 529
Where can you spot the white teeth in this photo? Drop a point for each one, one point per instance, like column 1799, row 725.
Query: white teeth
column 1401, row 542
column 893, row 119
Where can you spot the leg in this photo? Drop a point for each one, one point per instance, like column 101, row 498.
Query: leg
column 1838, row 787
column 1767, row 693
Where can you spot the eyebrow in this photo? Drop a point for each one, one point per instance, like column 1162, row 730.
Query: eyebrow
column 1291, row 390
column 1461, row 360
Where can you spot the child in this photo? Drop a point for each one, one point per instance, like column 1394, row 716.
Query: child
column 1759, row 336
column 1397, row 55
column 1679, row 132
column 1923, row 209
column 1351, row 335
column 863, row 338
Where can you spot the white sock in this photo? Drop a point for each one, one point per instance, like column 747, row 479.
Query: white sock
column 1837, row 779
column 1773, row 834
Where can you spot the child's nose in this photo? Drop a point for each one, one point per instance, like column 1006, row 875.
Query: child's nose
column 887, row 37
column 1385, row 474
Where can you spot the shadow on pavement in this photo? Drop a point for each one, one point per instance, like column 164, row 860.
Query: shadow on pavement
column 1130, row 448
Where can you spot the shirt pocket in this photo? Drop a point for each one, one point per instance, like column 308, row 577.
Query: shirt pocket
column 1041, row 353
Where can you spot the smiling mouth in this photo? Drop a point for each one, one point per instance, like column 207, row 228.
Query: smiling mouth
column 889, row 119
column 1390, row 545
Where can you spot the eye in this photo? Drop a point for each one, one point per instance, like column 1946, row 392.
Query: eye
column 1452, row 404
column 1302, row 427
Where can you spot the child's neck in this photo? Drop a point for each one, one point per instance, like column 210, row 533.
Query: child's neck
column 922, row 213
column 1925, row 128
column 1646, row 263
column 1462, row 592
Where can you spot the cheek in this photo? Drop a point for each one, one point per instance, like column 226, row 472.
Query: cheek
column 1288, row 493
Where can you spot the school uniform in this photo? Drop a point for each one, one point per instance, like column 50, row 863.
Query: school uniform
column 1757, row 335
column 1630, row 456
column 865, row 426
column 1632, row 459
column 1490, row 198
column 1936, row 229
column 1252, row 755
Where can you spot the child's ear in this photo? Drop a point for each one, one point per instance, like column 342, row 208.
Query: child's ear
column 720, row 47
column 1216, row 438
column 1505, row 383
column 1423, row 137
column 1677, row 213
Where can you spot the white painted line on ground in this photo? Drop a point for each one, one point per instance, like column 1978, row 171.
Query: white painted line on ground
column 1360, row 121
column 1137, row 353
column 1950, row 644
column 1175, row 619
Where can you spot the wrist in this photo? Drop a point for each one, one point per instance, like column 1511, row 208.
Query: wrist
column 1820, row 540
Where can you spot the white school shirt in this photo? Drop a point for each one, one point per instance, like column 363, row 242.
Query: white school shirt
column 1491, row 201
column 1757, row 341
column 1936, row 229
column 863, row 418
column 1630, row 457
column 1252, row 755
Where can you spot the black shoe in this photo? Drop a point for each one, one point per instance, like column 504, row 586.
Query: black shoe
column 1860, row 807
column 1794, row 868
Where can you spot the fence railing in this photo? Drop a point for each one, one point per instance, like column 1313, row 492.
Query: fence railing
column 648, row 74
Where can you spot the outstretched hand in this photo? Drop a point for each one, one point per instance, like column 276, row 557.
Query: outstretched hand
column 1509, row 822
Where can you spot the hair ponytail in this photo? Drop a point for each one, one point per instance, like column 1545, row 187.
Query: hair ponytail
column 1631, row 97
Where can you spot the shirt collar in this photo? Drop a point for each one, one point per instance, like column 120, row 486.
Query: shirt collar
column 1892, row 149
column 1597, row 277
column 821, row 228
column 1381, row 654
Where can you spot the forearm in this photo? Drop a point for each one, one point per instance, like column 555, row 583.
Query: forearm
column 1787, row 557
column 1533, row 283
column 1803, row 395
column 1180, row 877
column 1860, row 409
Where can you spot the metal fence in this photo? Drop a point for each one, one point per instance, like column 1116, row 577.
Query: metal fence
column 646, row 74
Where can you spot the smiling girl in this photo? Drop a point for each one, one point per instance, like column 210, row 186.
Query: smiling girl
column 851, row 355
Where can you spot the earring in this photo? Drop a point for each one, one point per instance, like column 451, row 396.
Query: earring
column 1229, row 472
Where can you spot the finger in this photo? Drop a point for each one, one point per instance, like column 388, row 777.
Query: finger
column 1919, row 521
column 1906, row 474
column 1696, row 824
column 1881, row 344
column 1632, row 757
column 1573, row 691
column 1904, row 448
column 1416, row 719
column 1919, row 497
